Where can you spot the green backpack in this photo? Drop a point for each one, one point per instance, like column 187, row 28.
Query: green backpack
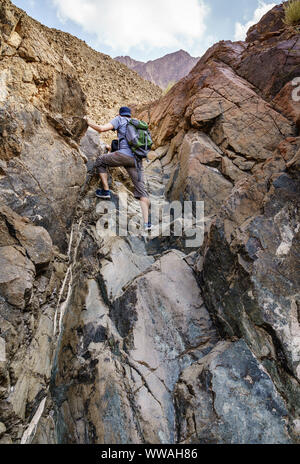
column 139, row 138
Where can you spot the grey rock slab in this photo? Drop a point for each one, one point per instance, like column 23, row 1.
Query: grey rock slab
column 165, row 328
column 232, row 398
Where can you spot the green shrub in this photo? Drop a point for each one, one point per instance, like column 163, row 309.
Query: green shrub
column 170, row 85
column 292, row 12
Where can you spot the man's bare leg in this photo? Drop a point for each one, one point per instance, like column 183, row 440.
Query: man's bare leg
column 145, row 205
column 104, row 179
column 144, row 201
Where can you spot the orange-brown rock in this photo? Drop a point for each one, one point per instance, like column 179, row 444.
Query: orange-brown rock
column 271, row 60
column 287, row 101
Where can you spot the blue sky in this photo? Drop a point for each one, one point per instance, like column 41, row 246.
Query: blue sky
column 145, row 29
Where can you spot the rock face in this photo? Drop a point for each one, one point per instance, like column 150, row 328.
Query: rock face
column 231, row 131
column 41, row 122
column 42, row 106
column 163, row 71
column 130, row 361
column 42, row 173
column 106, row 338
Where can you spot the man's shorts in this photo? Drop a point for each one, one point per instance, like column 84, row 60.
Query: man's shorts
column 118, row 159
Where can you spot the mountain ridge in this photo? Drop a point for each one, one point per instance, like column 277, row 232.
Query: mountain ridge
column 93, row 69
column 162, row 71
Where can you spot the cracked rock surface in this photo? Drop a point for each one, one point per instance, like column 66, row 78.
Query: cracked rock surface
column 216, row 398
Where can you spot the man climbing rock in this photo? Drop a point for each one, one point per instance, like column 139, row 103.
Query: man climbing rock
column 124, row 157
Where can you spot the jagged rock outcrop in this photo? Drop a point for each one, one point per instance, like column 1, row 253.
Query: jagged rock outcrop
column 41, row 114
column 42, row 172
column 123, row 339
column 232, row 141
column 162, row 71
column 243, row 129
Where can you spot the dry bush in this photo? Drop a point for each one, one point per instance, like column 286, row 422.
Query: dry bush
column 292, row 12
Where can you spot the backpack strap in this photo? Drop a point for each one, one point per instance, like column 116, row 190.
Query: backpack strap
column 124, row 138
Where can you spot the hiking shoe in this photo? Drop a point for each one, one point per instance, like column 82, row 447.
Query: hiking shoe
column 147, row 227
column 104, row 194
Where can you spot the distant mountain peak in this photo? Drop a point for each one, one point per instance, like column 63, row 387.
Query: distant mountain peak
column 169, row 68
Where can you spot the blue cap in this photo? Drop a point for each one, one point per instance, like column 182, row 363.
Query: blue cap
column 125, row 111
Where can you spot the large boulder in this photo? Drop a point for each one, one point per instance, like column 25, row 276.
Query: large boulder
column 228, row 398
column 198, row 158
column 262, row 292
column 164, row 328
column 243, row 122
column 121, row 380
column 16, row 276
column 24, row 250
column 17, row 230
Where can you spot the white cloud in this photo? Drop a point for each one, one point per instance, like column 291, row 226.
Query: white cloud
column 242, row 29
column 126, row 24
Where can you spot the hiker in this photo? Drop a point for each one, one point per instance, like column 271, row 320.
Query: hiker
column 125, row 157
